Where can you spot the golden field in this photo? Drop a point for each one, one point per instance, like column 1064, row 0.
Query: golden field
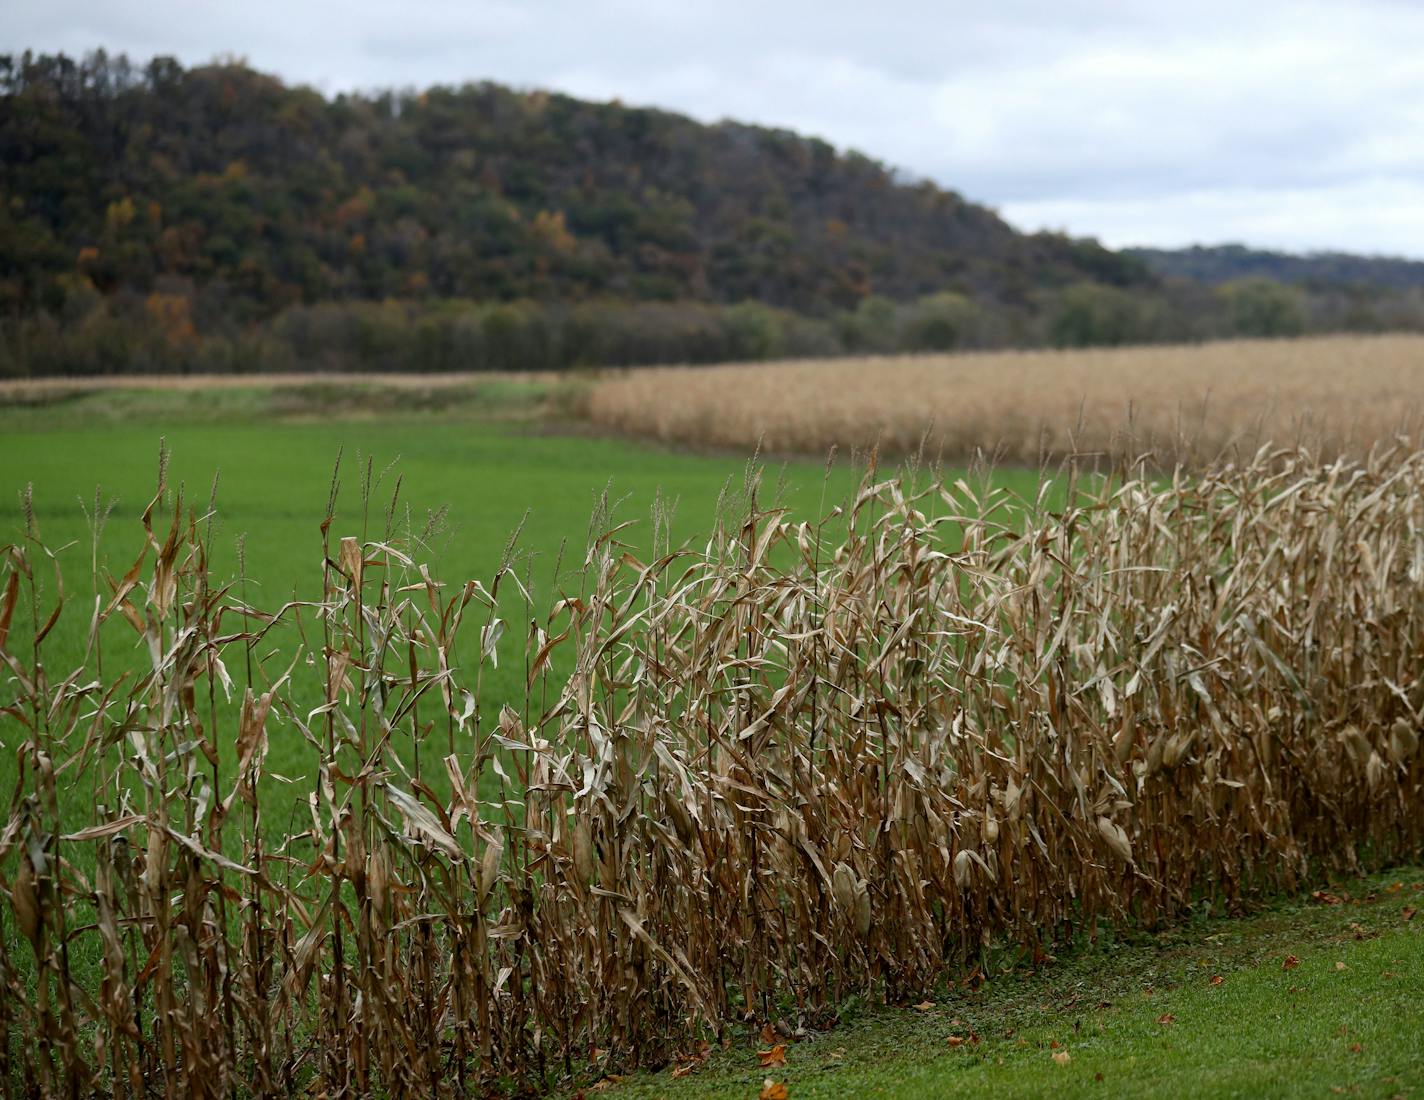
column 1336, row 393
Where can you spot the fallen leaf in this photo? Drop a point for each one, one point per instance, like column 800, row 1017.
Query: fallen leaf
column 683, row 1069
column 924, row 1006
column 776, row 1056
column 1216, row 979
column 1291, row 962
column 772, row 1090
column 1098, row 1077
column 1356, row 1048
column 1166, row 1018
column 1408, row 912
column 768, row 1034
column 1341, row 966
column 956, row 1040
column 1062, row 1057
column 1324, row 898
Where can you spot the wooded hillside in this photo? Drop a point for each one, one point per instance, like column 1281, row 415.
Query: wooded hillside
column 155, row 218
column 125, row 174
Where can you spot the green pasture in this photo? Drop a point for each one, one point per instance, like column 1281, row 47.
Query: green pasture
column 488, row 459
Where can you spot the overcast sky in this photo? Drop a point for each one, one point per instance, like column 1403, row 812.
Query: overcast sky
column 1273, row 122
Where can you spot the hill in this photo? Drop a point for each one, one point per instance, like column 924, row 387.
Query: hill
column 156, row 218
column 1224, row 263
column 126, row 174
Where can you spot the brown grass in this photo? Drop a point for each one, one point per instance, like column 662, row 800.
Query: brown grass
column 19, row 389
column 806, row 760
column 1336, row 394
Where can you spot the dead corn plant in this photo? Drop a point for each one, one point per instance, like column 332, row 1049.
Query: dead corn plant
column 804, row 760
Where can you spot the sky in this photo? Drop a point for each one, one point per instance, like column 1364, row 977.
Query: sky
column 1277, row 123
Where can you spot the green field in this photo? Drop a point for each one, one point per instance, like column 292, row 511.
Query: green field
column 480, row 456
column 488, row 456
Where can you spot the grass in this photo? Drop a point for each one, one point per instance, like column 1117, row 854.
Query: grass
column 480, row 452
column 486, row 468
column 1138, row 1016
column 42, row 404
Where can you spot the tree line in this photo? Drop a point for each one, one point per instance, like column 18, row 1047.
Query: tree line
column 158, row 333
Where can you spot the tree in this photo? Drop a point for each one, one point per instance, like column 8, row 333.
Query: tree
column 1263, row 307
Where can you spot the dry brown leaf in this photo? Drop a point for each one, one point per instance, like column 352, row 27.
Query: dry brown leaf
column 1290, row 962
column 1166, row 1018
column 924, row 1006
column 776, row 1056
column 772, row 1090
column 768, row 1034
column 1062, row 1057
column 957, row 1040
column 1341, row 966
column 1216, row 979
column 1408, row 912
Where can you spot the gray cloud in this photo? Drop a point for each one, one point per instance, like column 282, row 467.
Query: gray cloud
column 1276, row 122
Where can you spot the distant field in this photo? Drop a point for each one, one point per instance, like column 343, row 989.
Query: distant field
column 1338, row 393
column 11, row 388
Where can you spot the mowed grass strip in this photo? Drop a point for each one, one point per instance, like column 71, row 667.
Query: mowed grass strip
column 1307, row 998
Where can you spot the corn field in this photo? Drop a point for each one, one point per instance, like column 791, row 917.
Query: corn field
column 1185, row 404
column 748, row 779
